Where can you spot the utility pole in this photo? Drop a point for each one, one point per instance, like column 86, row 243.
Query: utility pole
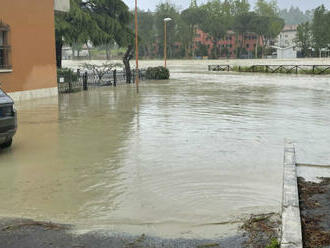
column 166, row 20
column 137, row 74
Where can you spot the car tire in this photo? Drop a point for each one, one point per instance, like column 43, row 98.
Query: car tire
column 7, row 144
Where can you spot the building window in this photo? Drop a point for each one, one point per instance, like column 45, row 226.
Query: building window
column 247, row 45
column 4, row 47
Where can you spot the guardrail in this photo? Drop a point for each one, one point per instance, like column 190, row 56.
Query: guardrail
column 293, row 69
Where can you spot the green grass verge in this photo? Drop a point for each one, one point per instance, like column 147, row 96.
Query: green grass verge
column 274, row 244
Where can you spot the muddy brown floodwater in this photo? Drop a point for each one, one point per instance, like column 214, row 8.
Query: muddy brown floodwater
column 189, row 157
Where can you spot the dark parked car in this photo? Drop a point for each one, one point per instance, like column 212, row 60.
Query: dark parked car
column 8, row 120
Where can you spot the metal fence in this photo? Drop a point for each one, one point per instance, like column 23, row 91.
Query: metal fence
column 293, row 69
column 91, row 79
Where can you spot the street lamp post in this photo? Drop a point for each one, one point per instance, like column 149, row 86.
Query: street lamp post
column 136, row 49
column 166, row 20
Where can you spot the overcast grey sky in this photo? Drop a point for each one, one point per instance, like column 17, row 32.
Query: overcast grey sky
column 303, row 4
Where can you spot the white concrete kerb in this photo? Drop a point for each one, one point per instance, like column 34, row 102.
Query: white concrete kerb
column 291, row 221
column 20, row 96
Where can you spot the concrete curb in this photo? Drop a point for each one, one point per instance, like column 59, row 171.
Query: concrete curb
column 291, row 222
column 33, row 94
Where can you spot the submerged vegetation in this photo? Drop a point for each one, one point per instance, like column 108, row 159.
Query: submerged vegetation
column 158, row 73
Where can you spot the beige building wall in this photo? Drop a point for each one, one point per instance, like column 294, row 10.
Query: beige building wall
column 32, row 41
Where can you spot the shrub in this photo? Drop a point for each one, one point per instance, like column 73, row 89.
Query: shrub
column 274, row 244
column 158, row 73
column 101, row 70
column 68, row 75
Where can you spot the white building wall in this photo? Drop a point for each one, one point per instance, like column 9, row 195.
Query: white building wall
column 286, row 53
column 62, row 5
column 286, row 39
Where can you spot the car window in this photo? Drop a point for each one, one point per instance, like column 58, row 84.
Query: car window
column 2, row 93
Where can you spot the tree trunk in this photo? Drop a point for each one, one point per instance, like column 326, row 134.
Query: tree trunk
column 59, row 45
column 215, row 48
column 89, row 52
column 242, row 44
column 127, row 57
column 256, row 51
column 263, row 46
column 107, row 51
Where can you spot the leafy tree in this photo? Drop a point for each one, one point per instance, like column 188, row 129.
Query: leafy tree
column 73, row 28
column 304, row 38
column 167, row 10
column 113, row 18
column 320, row 28
column 268, row 24
column 216, row 21
column 295, row 16
column 264, row 8
column 102, row 22
column 259, row 25
column 243, row 23
column 202, row 50
column 191, row 18
column 239, row 7
column 147, row 32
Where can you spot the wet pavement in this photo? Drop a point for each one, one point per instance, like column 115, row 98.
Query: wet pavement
column 188, row 158
column 25, row 233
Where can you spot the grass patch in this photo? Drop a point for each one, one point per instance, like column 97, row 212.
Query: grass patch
column 274, row 244
column 158, row 73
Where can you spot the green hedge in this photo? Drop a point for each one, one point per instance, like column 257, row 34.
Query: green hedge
column 68, row 75
column 158, row 73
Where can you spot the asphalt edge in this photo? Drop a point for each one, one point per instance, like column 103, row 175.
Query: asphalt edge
column 291, row 221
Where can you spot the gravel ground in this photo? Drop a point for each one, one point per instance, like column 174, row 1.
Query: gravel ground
column 23, row 233
column 315, row 212
column 257, row 232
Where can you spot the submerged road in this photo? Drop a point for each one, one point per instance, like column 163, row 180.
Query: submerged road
column 188, row 158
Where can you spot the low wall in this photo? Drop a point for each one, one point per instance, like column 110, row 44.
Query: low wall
column 33, row 94
column 291, row 221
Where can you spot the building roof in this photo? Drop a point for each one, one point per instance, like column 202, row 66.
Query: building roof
column 288, row 28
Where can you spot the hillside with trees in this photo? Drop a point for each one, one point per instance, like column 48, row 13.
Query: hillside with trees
column 295, row 16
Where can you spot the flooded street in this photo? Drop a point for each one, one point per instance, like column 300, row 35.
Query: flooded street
column 189, row 157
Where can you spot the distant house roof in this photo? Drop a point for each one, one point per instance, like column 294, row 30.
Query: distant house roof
column 288, row 28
